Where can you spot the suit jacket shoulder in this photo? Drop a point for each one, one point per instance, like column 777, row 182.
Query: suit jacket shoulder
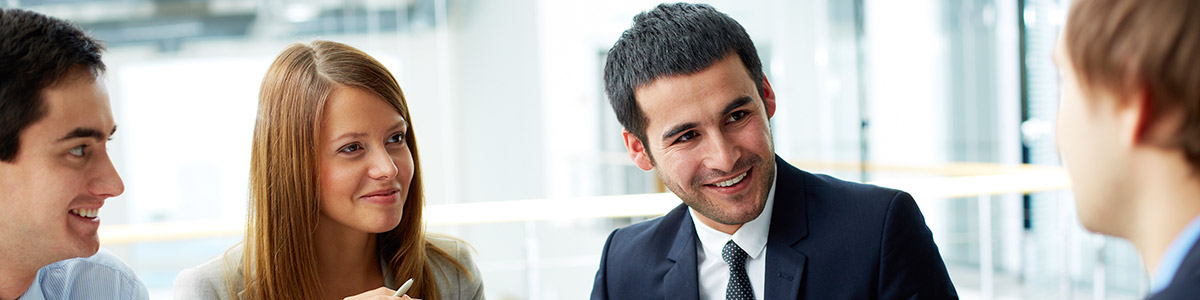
column 635, row 239
column 859, row 241
column 453, row 283
column 1186, row 284
column 655, row 259
column 217, row 278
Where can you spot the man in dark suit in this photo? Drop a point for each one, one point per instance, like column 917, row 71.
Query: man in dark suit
column 686, row 83
column 1129, row 130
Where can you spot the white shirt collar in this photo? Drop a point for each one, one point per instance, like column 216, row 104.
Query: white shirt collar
column 752, row 236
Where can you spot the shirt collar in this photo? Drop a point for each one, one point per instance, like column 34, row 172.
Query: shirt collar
column 751, row 237
column 1174, row 256
column 35, row 289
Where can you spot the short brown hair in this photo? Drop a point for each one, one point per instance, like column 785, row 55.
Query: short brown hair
column 1117, row 46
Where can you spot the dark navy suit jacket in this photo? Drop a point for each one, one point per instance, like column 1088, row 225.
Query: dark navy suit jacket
column 829, row 239
column 1186, row 284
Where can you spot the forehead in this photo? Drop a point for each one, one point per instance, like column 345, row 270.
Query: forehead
column 685, row 98
column 351, row 108
column 76, row 101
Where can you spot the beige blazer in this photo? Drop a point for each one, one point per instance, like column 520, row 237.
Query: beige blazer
column 208, row 280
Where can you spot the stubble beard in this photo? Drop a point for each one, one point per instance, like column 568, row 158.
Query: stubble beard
column 764, row 176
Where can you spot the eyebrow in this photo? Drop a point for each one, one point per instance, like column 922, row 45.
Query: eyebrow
column 735, row 104
column 678, row 129
column 739, row 102
column 400, row 124
column 81, row 132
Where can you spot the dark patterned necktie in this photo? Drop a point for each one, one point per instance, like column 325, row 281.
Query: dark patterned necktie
column 739, row 283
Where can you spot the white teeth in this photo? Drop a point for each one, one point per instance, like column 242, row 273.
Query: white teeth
column 86, row 213
column 731, row 182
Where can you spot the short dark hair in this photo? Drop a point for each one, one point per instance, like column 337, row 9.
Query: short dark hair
column 36, row 51
column 671, row 39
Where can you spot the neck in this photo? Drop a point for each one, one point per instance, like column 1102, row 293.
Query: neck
column 1163, row 205
column 14, row 283
column 16, row 272
column 347, row 260
column 727, row 229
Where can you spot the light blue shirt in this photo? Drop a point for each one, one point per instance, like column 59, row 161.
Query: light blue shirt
column 101, row 276
column 1174, row 256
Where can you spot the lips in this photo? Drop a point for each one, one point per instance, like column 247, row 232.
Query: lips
column 734, row 183
column 384, row 196
column 384, row 192
column 731, row 182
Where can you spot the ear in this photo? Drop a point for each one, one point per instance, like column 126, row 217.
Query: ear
column 1140, row 122
column 637, row 151
column 1133, row 114
column 768, row 97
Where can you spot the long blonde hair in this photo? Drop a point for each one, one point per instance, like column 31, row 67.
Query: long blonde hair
column 280, row 247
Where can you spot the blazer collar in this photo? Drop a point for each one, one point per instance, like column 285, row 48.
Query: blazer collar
column 681, row 281
column 785, row 263
column 789, row 225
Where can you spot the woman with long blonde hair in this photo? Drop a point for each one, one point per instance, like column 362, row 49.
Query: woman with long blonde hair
column 335, row 193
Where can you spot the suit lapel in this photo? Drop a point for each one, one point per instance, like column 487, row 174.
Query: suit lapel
column 681, row 281
column 789, row 225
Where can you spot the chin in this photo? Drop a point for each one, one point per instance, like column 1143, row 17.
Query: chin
column 1093, row 222
column 383, row 226
column 82, row 248
column 1092, row 226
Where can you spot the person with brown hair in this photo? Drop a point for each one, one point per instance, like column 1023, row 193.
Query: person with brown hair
column 55, row 170
column 1129, row 130
column 335, row 193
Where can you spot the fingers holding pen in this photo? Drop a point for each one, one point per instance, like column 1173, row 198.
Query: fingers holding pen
column 381, row 293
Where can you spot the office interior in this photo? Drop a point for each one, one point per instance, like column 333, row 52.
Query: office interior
column 951, row 100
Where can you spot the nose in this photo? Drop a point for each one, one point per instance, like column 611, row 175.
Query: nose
column 722, row 154
column 382, row 166
column 106, row 183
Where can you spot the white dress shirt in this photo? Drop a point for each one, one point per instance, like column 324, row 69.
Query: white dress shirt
column 752, row 237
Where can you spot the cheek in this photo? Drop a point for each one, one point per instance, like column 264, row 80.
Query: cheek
column 338, row 180
column 757, row 135
column 57, row 182
column 404, row 167
column 1071, row 122
column 38, row 196
column 678, row 166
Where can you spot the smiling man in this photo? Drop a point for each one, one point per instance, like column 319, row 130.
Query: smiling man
column 55, row 172
column 687, row 84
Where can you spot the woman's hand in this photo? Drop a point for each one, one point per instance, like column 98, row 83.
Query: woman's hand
column 381, row 293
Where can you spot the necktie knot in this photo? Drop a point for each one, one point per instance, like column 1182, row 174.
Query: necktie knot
column 733, row 255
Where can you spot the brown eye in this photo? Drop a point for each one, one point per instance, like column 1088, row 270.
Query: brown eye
column 396, row 138
column 351, row 148
column 687, row 136
column 736, row 116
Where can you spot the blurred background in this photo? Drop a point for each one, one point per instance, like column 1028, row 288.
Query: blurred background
column 953, row 100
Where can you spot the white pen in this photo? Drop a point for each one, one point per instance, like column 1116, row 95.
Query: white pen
column 403, row 288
